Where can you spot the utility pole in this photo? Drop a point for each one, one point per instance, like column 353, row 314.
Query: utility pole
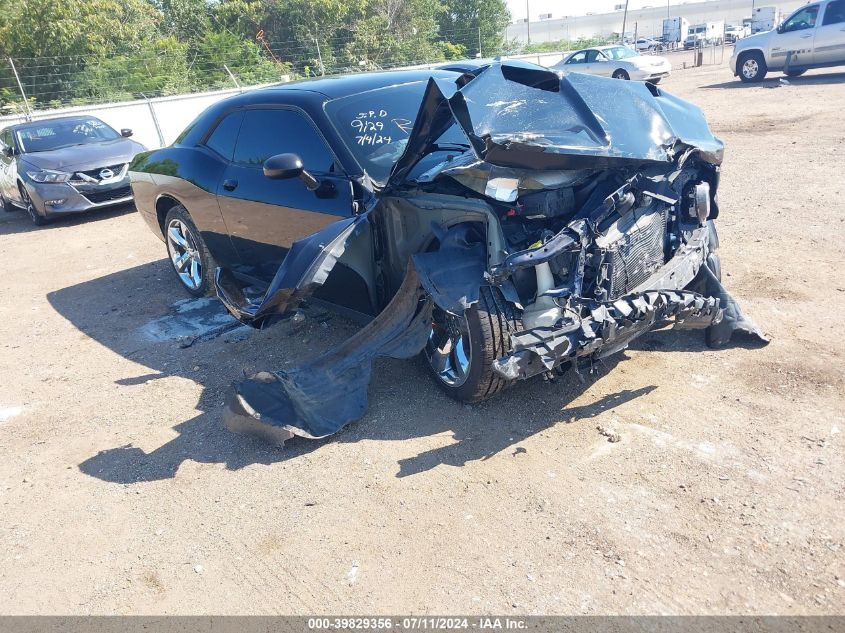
column 527, row 22
column 479, row 43
column 320, row 57
column 624, row 22
column 23, row 94
column 232, row 77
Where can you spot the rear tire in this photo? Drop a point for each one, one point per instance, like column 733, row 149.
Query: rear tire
column 486, row 328
column 751, row 67
column 621, row 74
column 794, row 73
column 189, row 256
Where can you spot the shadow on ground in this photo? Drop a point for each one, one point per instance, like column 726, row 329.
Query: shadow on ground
column 116, row 309
column 17, row 221
column 773, row 80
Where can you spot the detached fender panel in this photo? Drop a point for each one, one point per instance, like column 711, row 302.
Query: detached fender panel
column 320, row 397
column 306, row 267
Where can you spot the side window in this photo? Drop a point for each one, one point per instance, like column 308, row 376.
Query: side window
column 835, row 13
column 803, row 19
column 222, row 139
column 578, row 58
column 6, row 138
column 265, row 133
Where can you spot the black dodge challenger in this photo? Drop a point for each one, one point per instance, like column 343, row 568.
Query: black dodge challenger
column 506, row 223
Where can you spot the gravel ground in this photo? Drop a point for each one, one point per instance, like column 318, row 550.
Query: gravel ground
column 120, row 492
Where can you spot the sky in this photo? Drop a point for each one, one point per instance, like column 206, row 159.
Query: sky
column 560, row 8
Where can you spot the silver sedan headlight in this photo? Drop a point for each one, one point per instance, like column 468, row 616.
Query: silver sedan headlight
column 48, row 175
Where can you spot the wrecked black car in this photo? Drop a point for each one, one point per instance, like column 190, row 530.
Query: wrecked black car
column 506, row 225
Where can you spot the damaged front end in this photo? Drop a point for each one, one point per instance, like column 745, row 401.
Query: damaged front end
column 584, row 207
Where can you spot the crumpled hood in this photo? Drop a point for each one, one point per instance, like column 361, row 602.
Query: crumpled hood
column 84, row 157
column 524, row 116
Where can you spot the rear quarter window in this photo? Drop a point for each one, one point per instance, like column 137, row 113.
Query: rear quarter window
column 222, row 140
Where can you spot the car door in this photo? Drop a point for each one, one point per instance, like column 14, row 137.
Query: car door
column 265, row 217
column 829, row 43
column 8, row 174
column 794, row 38
column 598, row 63
column 576, row 63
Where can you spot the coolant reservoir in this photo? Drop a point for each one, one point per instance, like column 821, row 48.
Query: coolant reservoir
column 544, row 312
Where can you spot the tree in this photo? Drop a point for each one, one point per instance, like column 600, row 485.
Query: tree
column 244, row 58
column 186, row 20
column 474, row 23
column 94, row 50
column 395, row 32
column 53, row 42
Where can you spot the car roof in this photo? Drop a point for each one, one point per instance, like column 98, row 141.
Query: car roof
column 343, row 85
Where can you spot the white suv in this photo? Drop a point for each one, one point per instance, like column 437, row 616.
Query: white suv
column 812, row 37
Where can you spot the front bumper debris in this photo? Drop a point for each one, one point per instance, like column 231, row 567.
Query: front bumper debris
column 608, row 328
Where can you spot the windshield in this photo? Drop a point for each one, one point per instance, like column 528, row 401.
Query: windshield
column 618, row 52
column 375, row 126
column 44, row 136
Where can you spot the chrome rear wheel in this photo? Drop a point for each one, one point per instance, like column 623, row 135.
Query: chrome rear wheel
column 184, row 253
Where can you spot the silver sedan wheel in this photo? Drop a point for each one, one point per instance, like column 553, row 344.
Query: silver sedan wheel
column 448, row 349
column 750, row 68
column 184, row 254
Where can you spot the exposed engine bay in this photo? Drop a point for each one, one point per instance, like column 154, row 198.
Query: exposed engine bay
column 571, row 232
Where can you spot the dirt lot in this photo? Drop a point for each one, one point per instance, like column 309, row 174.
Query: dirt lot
column 120, row 492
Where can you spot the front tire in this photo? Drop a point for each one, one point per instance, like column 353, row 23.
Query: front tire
column 36, row 218
column 714, row 263
column 752, row 67
column 461, row 350
column 621, row 74
column 189, row 256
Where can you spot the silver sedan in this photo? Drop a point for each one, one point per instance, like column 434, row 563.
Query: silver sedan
column 619, row 62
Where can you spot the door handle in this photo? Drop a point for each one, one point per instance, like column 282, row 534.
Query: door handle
column 230, row 185
column 804, row 37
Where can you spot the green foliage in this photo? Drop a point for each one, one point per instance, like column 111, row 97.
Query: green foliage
column 557, row 46
column 98, row 50
column 477, row 25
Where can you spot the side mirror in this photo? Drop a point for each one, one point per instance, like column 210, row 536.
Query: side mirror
column 286, row 166
column 126, row 132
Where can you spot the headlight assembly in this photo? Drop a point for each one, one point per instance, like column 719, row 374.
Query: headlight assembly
column 48, row 175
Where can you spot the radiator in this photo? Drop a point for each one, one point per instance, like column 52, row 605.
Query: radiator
column 634, row 248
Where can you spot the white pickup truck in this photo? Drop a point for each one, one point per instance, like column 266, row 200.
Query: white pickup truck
column 812, row 37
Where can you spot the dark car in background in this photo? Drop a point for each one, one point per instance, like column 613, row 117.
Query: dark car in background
column 507, row 225
column 55, row 167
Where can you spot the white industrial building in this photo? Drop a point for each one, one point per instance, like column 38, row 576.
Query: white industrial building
column 647, row 22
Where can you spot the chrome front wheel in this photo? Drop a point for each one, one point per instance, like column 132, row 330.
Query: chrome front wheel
column 29, row 205
column 750, row 69
column 448, row 350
